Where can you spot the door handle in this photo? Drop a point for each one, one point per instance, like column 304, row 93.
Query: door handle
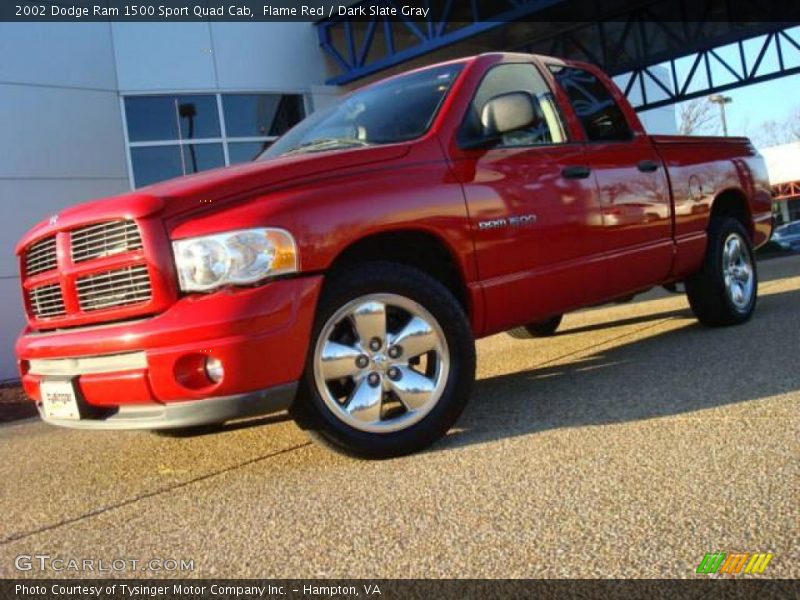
column 576, row 172
column 647, row 166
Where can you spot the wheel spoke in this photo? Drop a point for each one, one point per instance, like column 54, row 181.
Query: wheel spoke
column 365, row 403
column 369, row 320
column 413, row 389
column 416, row 338
column 737, row 250
column 338, row 360
column 738, row 293
column 732, row 251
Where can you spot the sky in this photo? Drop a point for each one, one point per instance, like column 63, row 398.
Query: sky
column 754, row 104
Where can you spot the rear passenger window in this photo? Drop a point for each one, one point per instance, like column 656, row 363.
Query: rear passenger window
column 601, row 117
column 516, row 77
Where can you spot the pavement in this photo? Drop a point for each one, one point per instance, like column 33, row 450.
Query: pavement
column 629, row 445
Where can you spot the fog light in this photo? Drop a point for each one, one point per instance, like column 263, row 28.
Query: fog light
column 214, row 369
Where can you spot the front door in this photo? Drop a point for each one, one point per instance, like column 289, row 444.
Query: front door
column 533, row 207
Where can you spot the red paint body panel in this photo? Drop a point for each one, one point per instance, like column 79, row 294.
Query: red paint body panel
column 593, row 239
column 261, row 334
column 106, row 389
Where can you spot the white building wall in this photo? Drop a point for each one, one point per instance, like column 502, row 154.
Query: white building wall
column 166, row 57
column 61, row 142
column 60, row 111
column 659, row 120
column 783, row 162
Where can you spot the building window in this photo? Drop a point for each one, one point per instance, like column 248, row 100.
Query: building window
column 173, row 135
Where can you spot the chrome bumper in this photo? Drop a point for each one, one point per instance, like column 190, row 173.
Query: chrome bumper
column 177, row 415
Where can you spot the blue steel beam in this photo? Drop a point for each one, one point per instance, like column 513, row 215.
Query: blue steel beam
column 432, row 38
column 622, row 43
column 679, row 88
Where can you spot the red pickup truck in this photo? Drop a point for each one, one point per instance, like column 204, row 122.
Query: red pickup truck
column 346, row 273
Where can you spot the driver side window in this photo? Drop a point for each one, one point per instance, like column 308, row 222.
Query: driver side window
column 516, row 77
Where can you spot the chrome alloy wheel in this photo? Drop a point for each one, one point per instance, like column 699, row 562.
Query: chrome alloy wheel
column 737, row 271
column 381, row 363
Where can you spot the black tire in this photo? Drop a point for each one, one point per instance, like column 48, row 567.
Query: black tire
column 317, row 419
column 708, row 294
column 539, row 329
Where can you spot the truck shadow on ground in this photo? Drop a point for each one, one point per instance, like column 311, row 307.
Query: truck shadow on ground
column 683, row 370
column 650, row 317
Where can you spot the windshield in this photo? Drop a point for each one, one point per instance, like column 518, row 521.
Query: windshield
column 396, row 110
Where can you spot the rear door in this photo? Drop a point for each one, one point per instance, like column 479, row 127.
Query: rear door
column 631, row 180
column 533, row 208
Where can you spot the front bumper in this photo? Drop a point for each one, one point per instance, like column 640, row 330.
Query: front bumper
column 150, row 373
column 176, row 415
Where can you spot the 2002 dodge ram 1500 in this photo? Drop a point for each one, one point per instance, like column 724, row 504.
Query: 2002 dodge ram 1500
column 346, row 272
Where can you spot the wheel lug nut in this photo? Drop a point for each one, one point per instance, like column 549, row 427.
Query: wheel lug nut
column 373, row 379
column 375, row 344
column 394, row 374
column 395, row 352
column 362, row 361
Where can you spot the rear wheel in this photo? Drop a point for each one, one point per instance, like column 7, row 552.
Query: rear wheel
column 539, row 329
column 391, row 363
column 725, row 290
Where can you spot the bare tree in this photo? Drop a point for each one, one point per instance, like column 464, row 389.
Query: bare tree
column 775, row 133
column 697, row 117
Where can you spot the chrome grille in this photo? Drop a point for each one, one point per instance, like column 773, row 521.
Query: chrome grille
column 47, row 301
column 105, row 239
column 121, row 287
column 41, row 256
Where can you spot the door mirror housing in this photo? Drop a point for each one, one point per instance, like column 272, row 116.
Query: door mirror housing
column 502, row 114
column 509, row 112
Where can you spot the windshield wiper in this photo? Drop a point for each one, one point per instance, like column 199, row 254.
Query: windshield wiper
column 325, row 144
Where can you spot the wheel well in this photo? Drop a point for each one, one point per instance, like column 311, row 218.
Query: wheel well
column 417, row 249
column 733, row 203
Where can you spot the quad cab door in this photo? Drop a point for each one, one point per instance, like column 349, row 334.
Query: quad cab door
column 533, row 207
column 637, row 236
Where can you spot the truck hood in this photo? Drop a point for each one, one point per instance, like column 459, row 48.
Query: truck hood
column 226, row 184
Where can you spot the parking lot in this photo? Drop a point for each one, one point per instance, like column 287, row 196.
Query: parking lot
column 629, row 445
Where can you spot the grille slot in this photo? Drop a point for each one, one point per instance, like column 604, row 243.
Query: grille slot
column 47, row 301
column 121, row 287
column 41, row 256
column 105, row 239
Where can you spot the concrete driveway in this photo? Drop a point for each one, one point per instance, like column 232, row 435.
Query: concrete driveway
column 629, row 445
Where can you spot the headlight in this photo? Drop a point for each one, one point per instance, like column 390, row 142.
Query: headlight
column 234, row 258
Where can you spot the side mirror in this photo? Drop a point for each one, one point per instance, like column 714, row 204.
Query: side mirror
column 509, row 112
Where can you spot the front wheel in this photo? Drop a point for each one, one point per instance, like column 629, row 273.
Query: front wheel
column 724, row 291
column 391, row 363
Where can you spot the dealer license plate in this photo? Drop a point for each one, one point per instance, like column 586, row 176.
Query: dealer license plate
column 59, row 399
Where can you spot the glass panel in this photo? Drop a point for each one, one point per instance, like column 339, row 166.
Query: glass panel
column 239, row 152
column 158, row 118
column 505, row 79
column 600, row 116
column 259, row 115
column 394, row 110
column 157, row 163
